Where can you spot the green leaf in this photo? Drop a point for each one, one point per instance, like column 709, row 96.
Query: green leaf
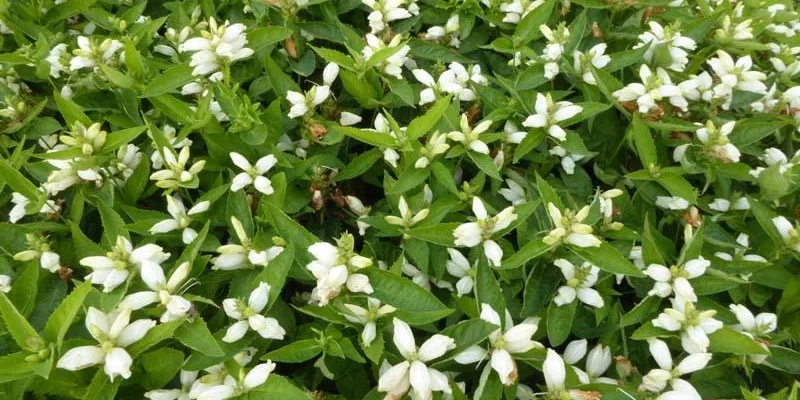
column 61, row 319
column 173, row 108
column 784, row 359
column 470, row 332
column 677, row 186
column 278, row 387
column 487, row 289
column 337, row 57
column 485, row 163
column 608, row 259
column 727, row 340
column 113, row 225
column 13, row 178
column 642, row 311
column 647, row 330
column 66, row 10
column 764, row 217
column 117, row 139
column 441, row 234
column 70, row 111
column 359, row 165
column 367, row 136
column 753, row 130
column 23, row 333
column 276, row 272
column 743, row 98
column 172, row 78
column 643, row 142
column 414, row 304
column 409, row 179
column 118, row 78
column 428, row 50
column 299, row 351
column 154, row 336
column 426, row 122
column 196, row 336
column 559, row 322
column 528, row 28
column 160, row 366
column 360, row 89
column 259, row 38
column 535, row 247
column 101, row 388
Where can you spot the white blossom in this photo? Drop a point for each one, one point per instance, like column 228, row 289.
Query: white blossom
column 579, row 282
column 113, row 269
column 471, row 234
column 413, row 373
column 336, row 267
column 676, row 278
column 569, row 228
column 248, row 316
column 694, row 325
column 789, row 233
column 218, row 46
column 253, row 174
column 653, row 89
column 669, row 40
column 470, row 137
column 244, row 255
column 368, row 317
column 593, row 58
column 549, row 114
column 162, row 291
column 113, row 332
column 658, row 379
column 181, row 218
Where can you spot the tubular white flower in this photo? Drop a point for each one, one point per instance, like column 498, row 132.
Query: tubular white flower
column 248, row 316
column 413, row 373
column 219, row 45
column 471, row 234
column 113, row 332
column 579, row 282
column 470, row 137
column 337, row 266
column 569, row 228
column 549, row 114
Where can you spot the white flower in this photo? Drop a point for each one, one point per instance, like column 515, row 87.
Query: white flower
column 672, row 203
column 170, row 135
column 556, row 39
column 756, row 327
column 458, row 266
column 181, row 218
column 217, row 46
column 175, row 174
column 244, row 255
column 569, row 228
column 450, row 29
column 741, row 31
column 187, row 379
column 162, row 291
column 39, row 247
column 669, row 41
column 301, row 103
column 458, row 81
column 348, row 118
column 698, row 87
column 470, row 137
column 549, row 114
column 514, row 193
column 21, row 203
column 515, row 135
column 406, row 219
column 657, row 379
column 253, row 174
column 368, row 317
column 298, row 147
column 384, row 11
column 392, row 65
column 436, row 145
column 567, row 159
column 717, row 143
column 579, row 282
column 5, row 283
column 114, row 332
column 471, row 234
column 413, row 373
column 693, row 325
column 359, row 209
column 515, row 10
column 248, row 316
column 555, row 374
column 335, row 267
column 724, row 205
column 113, row 269
column 739, row 254
column 89, row 54
column 597, row 362
column 676, row 278
column 502, row 344
column 232, row 387
column 790, row 234
column 57, row 60
column 735, row 75
column 594, row 58
column 653, row 89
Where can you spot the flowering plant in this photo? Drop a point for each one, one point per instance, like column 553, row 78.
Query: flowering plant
column 390, row 199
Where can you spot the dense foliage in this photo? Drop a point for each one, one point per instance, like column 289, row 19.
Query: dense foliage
column 374, row 199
